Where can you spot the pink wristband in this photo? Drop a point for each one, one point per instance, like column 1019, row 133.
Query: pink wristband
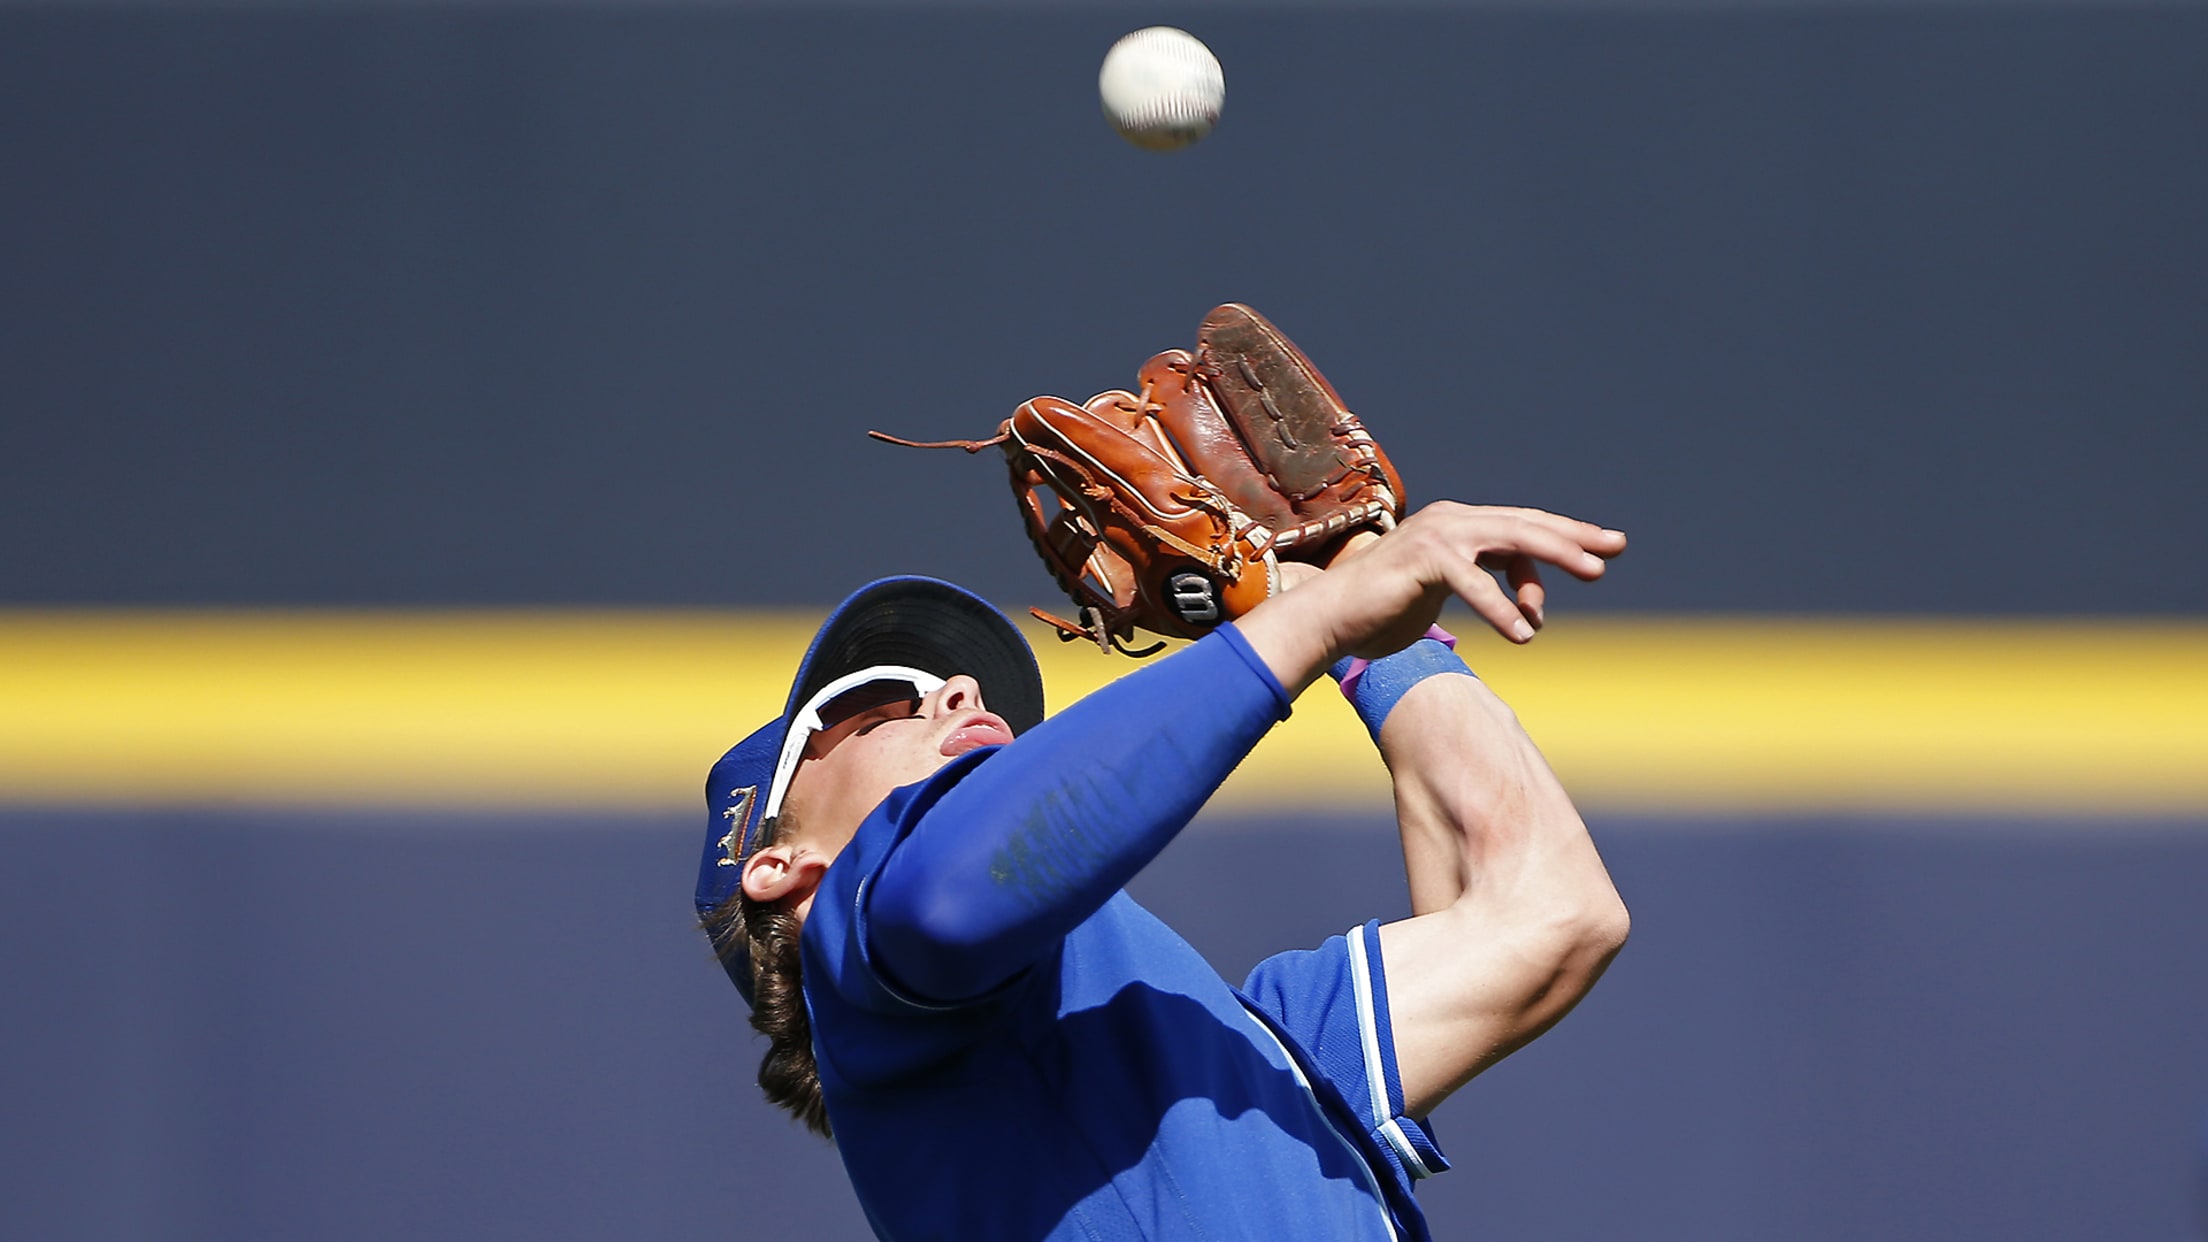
column 1348, row 679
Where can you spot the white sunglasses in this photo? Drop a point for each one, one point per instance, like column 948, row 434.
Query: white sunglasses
column 806, row 722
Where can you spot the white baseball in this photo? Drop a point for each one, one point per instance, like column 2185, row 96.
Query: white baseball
column 1162, row 88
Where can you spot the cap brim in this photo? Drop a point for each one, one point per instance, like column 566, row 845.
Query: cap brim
column 933, row 626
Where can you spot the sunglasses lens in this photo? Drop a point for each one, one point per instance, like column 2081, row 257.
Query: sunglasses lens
column 861, row 698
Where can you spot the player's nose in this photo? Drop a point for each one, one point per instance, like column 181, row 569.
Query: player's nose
column 959, row 694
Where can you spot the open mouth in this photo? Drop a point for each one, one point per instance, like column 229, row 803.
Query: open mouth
column 983, row 730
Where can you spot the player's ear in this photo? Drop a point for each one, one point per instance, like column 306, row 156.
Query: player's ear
column 780, row 872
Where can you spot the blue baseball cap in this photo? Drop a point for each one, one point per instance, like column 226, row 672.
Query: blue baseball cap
column 921, row 631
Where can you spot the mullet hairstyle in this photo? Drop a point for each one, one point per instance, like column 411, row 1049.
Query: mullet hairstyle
column 769, row 935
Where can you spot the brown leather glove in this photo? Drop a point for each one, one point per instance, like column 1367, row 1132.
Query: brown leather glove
column 1172, row 507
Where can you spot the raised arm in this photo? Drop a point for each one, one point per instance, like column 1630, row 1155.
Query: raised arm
column 1514, row 917
column 1041, row 834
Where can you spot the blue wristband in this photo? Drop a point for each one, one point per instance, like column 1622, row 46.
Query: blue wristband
column 1384, row 682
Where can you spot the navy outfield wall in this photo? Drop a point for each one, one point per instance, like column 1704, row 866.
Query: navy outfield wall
column 355, row 1025
column 1834, row 307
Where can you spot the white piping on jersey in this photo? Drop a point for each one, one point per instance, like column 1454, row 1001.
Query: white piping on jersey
column 1368, row 1032
column 1372, row 1179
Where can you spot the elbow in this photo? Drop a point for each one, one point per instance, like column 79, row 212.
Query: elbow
column 1595, row 933
column 939, row 945
column 1579, row 939
column 1605, row 925
column 923, row 944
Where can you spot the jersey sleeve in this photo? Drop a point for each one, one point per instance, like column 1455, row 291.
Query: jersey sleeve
column 990, row 878
column 1334, row 1001
column 868, row 1027
column 955, row 888
column 839, row 953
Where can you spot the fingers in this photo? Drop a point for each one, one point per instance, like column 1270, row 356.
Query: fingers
column 1581, row 549
column 1590, row 546
column 1450, row 549
column 1600, row 540
column 1525, row 535
column 1516, row 542
column 1478, row 588
column 1524, row 575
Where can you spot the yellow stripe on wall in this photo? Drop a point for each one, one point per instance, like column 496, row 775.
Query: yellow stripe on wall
column 628, row 710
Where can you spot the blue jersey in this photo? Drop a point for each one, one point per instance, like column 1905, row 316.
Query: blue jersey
column 1116, row 1088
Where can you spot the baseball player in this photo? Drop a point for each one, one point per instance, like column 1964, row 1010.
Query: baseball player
column 917, row 883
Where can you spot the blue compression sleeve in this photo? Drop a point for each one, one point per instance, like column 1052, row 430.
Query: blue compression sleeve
column 1044, row 831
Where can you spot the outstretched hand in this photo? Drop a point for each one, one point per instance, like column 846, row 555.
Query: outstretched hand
column 1378, row 598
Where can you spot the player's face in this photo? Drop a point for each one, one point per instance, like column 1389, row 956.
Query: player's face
column 877, row 738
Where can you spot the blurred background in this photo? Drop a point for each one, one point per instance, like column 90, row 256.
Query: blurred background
column 429, row 430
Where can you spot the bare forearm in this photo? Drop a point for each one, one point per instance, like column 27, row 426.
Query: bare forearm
column 1515, row 916
column 1482, row 815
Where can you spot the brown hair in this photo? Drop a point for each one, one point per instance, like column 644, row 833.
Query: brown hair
column 769, row 933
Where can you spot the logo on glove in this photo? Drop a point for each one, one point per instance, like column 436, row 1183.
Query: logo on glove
column 1193, row 597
